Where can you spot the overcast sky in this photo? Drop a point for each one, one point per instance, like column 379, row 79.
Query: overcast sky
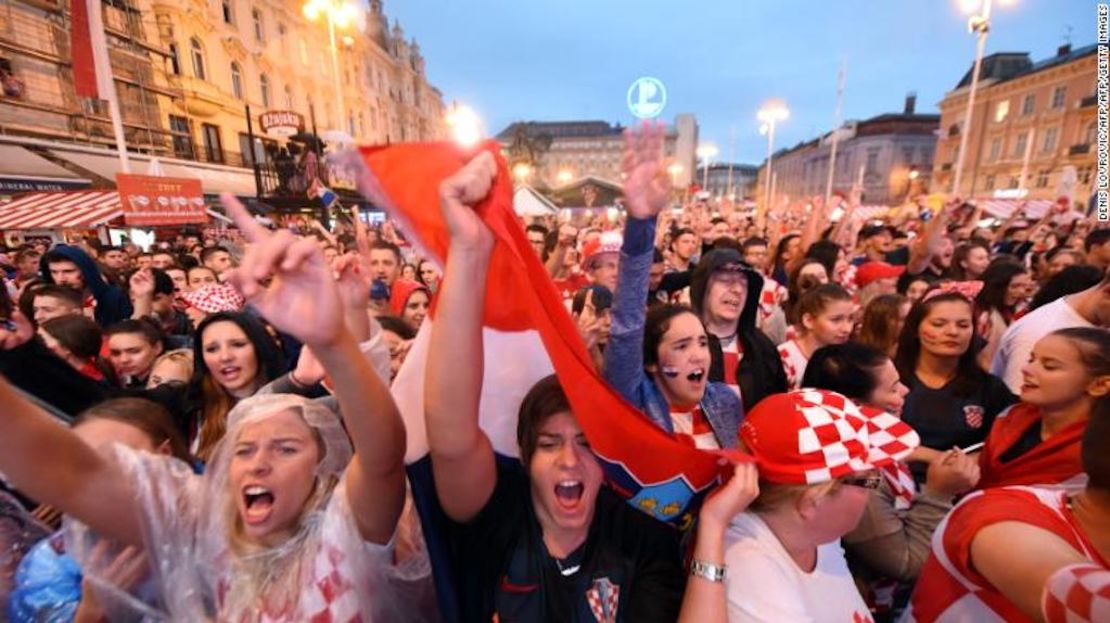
column 719, row 59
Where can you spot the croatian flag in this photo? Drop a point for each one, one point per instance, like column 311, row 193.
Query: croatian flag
column 528, row 334
column 92, row 69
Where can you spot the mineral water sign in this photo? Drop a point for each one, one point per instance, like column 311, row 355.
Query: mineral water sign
column 646, row 98
column 281, row 122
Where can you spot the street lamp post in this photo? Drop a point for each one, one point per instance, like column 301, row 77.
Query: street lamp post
column 772, row 112
column 339, row 15
column 706, row 152
column 978, row 24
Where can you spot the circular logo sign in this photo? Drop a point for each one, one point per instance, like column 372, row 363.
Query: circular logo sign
column 646, row 98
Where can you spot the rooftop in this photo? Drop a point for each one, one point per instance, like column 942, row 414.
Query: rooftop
column 1003, row 66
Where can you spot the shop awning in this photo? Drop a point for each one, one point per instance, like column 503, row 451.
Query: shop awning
column 26, row 171
column 1003, row 208
column 84, row 208
column 214, row 179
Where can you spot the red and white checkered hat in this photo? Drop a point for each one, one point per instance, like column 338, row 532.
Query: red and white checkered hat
column 608, row 242
column 216, row 298
column 811, row 436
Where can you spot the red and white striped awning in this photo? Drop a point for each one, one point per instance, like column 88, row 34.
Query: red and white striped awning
column 55, row 210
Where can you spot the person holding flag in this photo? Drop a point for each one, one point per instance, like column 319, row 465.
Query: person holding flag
column 573, row 550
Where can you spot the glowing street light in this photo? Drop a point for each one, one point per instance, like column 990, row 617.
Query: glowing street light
column 465, row 125
column 522, row 171
column 564, row 176
column 979, row 23
column 707, row 152
column 770, row 114
column 340, row 15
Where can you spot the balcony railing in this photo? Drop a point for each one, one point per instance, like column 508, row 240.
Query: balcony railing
column 1077, row 150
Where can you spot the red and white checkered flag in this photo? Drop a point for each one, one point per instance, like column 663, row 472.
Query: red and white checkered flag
column 1077, row 593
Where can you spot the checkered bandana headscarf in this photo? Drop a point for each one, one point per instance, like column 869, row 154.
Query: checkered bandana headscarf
column 216, row 298
column 811, row 436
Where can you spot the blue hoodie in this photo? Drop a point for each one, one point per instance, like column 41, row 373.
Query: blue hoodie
column 112, row 304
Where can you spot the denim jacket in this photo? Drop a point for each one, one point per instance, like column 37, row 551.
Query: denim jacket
column 624, row 355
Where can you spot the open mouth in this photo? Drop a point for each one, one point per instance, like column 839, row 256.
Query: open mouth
column 696, row 375
column 230, row 371
column 569, row 493
column 259, row 503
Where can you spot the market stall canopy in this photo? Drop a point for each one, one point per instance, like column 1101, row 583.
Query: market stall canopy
column 528, row 202
column 56, row 210
column 26, row 171
column 214, row 179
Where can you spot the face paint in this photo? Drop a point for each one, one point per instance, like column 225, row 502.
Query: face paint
column 670, row 372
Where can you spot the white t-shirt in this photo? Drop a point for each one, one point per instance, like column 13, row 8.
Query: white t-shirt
column 1017, row 343
column 765, row 585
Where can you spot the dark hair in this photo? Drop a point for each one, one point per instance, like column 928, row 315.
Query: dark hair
column 150, row 332
column 657, row 256
column 879, row 325
column 656, row 325
column 727, row 242
column 1051, row 255
column 150, row 417
column 847, row 368
column 25, row 253
column 163, row 283
column 393, row 324
column 65, row 293
column 78, row 334
column 536, row 227
column 208, row 252
column 817, row 299
column 754, row 241
column 784, row 242
column 545, row 399
column 996, row 281
column 603, row 298
column 956, row 270
column 827, row 252
column 678, row 233
column 1072, row 279
column 388, row 246
column 1095, row 238
column 968, row 373
column 7, row 306
column 1096, row 438
column 1093, row 345
column 187, row 262
column 796, row 286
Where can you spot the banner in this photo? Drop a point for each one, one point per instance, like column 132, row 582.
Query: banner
column 150, row 201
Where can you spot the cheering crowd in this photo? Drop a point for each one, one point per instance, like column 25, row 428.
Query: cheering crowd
column 909, row 413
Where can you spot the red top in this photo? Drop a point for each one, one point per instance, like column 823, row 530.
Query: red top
column 1051, row 462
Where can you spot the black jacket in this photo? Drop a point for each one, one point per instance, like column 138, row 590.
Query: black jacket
column 760, row 373
column 112, row 303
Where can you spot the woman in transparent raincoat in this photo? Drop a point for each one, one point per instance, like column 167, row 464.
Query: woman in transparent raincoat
column 295, row 519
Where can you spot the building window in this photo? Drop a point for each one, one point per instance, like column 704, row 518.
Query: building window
column 288, row 97
column 1001, row 110
column 954, row 129
column 1028, row 104
column 1013, row 181
column 259, row 30
column 373, row 119
column 197, row 53
column 304, row 52
column 236, row 81
column 229, row 15
column 1019, row 145
column 1090, row 133
column 872, row 162
column 213, row 150
column 1085, row 175
column 1042, row 179
column 1050, row 137
column 1058, row 97
column 281, row 36
column 182, row 136
column 264, row 87
column 996, row 149
column 907, row 155
column 361, row 124
column 990, row 182
column 175, row 61
column 350, row 123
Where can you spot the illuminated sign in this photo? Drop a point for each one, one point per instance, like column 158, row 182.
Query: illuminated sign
column 646, row 98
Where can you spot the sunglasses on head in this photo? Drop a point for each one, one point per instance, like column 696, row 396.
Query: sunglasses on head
column 866, row 481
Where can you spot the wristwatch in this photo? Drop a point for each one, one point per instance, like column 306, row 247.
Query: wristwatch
column 708, row 570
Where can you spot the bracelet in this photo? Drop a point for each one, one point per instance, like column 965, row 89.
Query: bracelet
column 708, row 571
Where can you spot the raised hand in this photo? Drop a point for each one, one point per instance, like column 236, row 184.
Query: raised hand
column 647, row 185
column 731, row 498
column 301, row 297
column 457, row 196
column 142, row 283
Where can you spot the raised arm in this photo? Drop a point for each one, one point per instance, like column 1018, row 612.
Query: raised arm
column 462, row 456
column 646, row 194
column 45, row 460
column 303, row 300
column 923, row 249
